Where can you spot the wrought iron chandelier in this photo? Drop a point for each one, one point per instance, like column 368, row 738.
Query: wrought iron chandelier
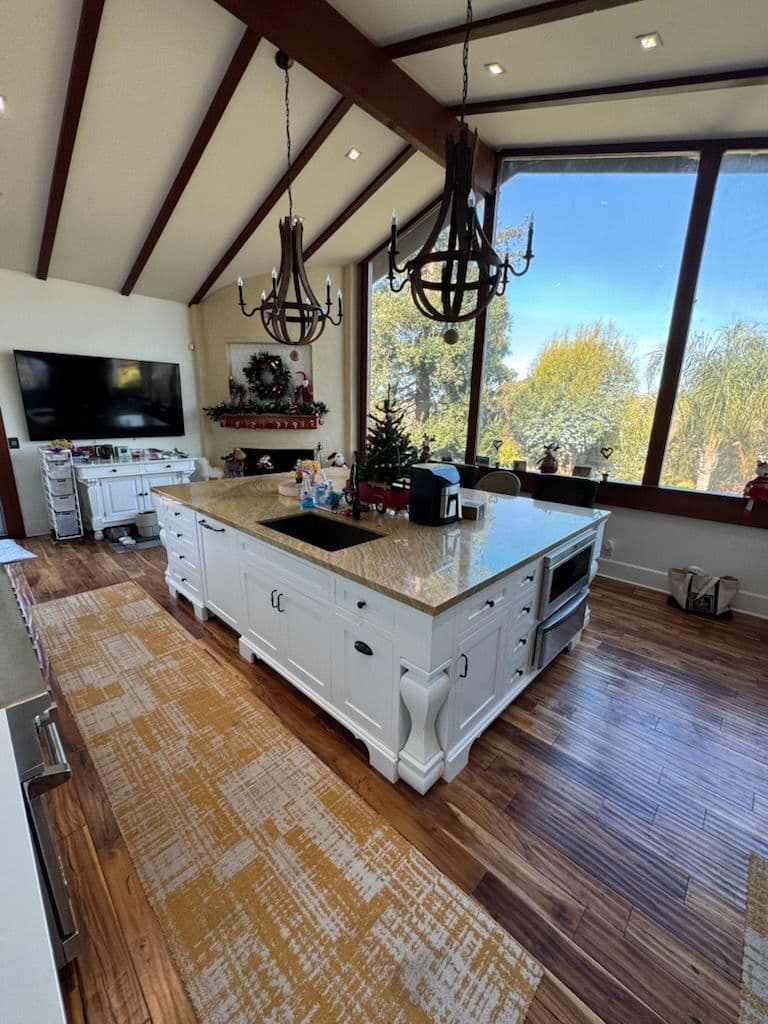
column 457, row 282
column 291, row 313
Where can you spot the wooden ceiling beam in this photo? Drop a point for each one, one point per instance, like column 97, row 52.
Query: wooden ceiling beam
column 360, row 200
column 85, row 45
column 343, row 106
column 329, row 46
column 500, row 24
column 226, row 90
column 648, row 89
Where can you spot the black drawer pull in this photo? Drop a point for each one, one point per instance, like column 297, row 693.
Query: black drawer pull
column 168, row 466
column 180, row 556
column 361, row 604
column 179, row 534
column 521, row 642
column 177, row 513
column 530, row 579
column 113, row 471
column 362, row 647
column 490, row 603
column 279, row 606
column 519, row 672
column 183, row 579
column 216, row 529
column 526, row 610
column 272, row 598
column 463, row 675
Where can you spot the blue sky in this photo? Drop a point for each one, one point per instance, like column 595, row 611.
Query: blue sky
column 608, row 246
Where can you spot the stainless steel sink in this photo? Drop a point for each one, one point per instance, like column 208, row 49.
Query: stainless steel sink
column 322, row 531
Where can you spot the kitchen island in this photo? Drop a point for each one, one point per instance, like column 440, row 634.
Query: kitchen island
column 415, row 639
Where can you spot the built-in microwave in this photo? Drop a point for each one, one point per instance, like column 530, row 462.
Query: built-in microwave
column 567, row 571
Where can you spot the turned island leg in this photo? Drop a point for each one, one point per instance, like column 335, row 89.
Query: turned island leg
column 422, row 759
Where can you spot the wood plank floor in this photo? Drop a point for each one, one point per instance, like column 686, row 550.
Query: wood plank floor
column 605, row 819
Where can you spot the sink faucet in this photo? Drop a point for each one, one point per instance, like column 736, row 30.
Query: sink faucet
column 354, row 489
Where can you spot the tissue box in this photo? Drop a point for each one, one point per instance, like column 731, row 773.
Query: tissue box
column 471, row 508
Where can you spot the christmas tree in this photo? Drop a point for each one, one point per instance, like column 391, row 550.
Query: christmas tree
column 389, row 451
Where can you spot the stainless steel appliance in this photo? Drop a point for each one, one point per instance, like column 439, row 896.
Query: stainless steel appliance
column 567, row 571
column 557, row 632
column 41, row 764
column 434, row 499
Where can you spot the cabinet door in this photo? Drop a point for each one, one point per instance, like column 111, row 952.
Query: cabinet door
column 120, row 497
column 221, row 571
column 365, row 686
column 478, row 675
column 149, row 501
column 306, row 639
column 261, row 622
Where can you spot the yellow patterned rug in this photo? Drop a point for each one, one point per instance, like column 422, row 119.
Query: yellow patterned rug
column 283, row 896
column 754, row 972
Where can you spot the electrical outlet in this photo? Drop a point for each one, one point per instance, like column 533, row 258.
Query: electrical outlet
column 607, row 548
column 13, row 442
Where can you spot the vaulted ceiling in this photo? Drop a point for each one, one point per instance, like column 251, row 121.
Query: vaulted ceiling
column 142, row 146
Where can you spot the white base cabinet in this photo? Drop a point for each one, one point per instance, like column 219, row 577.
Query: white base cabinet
column 417, row 689
column 113, row 493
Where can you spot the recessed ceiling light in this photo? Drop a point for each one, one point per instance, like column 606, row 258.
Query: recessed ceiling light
column 649, row 40
column 353, row 154
column 2, row 104
column 494, row 68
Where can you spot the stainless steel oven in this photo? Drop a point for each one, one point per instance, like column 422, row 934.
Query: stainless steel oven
column 42, row 765
column 567, row 571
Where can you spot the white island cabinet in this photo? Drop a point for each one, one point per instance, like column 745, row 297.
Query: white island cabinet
column 415, row 641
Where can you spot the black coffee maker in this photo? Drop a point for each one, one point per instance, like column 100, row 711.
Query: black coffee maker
column 434, row 498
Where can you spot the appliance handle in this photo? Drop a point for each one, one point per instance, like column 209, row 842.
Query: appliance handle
column 46, row 723
column 563, row 613
column 565, row 554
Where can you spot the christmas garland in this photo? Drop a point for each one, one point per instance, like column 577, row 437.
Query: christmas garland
column 268, row 377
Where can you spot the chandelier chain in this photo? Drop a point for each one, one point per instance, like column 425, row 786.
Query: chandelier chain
column 288, row 142
column 465, row 61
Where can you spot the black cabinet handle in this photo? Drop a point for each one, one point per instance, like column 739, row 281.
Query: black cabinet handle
column 531, row 578
column 525, row 610
column 490, row 603
column 183, row 579
column 463, row 675
column 519, row 672
column 279, row 606
column 361, row 604
column 168, row 466
column 362, row 647
column 113, row 471
column 521, row 642
column 181, row 556
column 272, row 598
column 215, row 529
column 177, row 513
column 179, row 534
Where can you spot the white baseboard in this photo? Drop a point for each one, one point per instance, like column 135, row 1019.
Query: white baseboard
column 654, row 579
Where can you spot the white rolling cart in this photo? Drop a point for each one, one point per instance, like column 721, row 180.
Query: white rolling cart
column 60, row 491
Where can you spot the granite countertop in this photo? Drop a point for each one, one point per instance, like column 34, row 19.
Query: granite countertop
column 428, row 567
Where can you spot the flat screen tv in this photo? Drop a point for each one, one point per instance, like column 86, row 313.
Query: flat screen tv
column 92, row 397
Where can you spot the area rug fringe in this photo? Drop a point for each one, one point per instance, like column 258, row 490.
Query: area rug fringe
column 282, row 895
column 754, row 974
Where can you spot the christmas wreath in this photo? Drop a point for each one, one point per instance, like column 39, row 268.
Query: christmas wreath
column 269, row 379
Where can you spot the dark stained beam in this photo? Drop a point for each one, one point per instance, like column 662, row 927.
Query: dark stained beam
column 232, row 76
column 360, row 200
column 329, row 46
column 343, row 106
column 85, row 44
column 500, row 24
column 682, row 310
column 648, row 89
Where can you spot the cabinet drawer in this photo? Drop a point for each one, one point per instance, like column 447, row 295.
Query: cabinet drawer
column 179, row 514
column 521, row 643
column 306, row 578
column 525, row 579
column 365, row 604
column 107, row 472
column 182, row 559
column 482, row 606
column 182, row 539
column 523, row 612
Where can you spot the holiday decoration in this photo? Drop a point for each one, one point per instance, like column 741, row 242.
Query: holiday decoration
column 757, row 488
column 389, row 452
column 496, row 445
column 337, row 459
column 265, row 464
column 234, row 462
column 606, row 452
column 548, row 462
column 425, row 452
column 270, row 400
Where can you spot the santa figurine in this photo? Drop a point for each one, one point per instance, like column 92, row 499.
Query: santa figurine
column 757, row 489
column 337, row 459
column 303, row 392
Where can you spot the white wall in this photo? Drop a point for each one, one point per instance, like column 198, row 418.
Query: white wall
column 60, row 316
column 646, row 544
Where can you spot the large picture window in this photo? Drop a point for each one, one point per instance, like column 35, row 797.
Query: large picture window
column 720, row 424
column 584, row 327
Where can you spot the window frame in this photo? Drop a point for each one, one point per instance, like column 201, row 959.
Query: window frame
column 649, row 495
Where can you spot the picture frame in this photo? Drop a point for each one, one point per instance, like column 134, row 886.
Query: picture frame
column 582, row 471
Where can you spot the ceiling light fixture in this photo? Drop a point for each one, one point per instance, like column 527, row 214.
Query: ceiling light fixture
column 649, row 40
column 353, row 154
column 300, row 319
column 457, row 273
column 494, row 68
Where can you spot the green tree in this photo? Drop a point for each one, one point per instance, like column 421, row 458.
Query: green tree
column 429, row 379
column 720, row 424
column 576, row 394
